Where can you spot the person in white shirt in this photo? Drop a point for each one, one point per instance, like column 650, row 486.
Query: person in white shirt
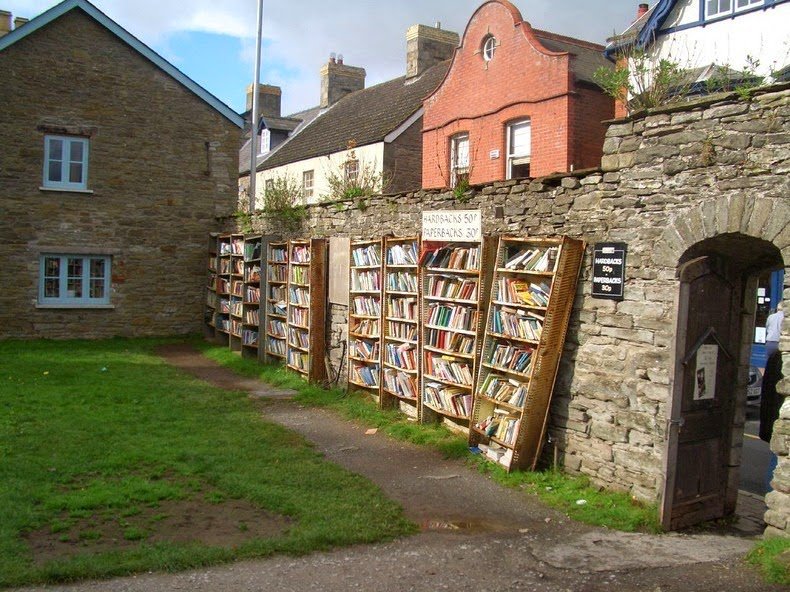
column 773, row 329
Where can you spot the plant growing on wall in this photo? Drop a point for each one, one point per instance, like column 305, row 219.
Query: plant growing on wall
column 458, row 184
column 282, row 202
column 355, row 179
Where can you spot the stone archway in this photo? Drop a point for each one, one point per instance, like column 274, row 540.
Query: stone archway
column 745, row 235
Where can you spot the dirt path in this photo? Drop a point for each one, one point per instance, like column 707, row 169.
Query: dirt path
column 475, row 535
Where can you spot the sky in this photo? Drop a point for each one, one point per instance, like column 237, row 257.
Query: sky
column 213, row 41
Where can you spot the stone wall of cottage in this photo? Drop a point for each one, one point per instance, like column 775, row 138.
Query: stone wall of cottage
column 669, row 180
column 162, row 166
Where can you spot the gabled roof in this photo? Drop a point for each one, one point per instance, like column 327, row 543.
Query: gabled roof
column 588, row 56
column 366, row 116
column 66, row 6
column 642, row 31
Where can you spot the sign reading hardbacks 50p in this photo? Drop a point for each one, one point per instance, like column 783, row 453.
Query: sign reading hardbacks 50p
column 609, row 270
column 452, row 226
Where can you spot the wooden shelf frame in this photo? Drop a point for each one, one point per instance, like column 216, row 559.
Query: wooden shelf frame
column 253, row 312
column 276, row 324
column 433, row 278
column 400, row 387
column 365, row 263
column 522, row 449
column 211, row 299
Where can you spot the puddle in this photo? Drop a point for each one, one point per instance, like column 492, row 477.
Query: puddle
column 460, row 526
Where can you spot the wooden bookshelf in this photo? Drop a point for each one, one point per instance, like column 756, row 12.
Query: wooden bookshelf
column 275, row 328
column 400, row 325
column 222, row 311
column 211, row 288
column 364, row 316
column 532, row 296
column 236, row 290
column 254, row 287
column 306, row 330
column 454, row 291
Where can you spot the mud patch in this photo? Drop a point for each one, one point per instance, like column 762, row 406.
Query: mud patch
column 227, row 524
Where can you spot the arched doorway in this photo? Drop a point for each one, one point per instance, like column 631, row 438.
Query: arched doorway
column 716, row 313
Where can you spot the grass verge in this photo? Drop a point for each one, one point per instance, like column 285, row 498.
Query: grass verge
column 772, row 557
column 574, row 496
column 99, row 432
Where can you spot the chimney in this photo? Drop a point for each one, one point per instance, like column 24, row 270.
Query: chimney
column 427, row 46
column 339, row 80
column 19, row 21
column 269, row 100
column 5, row 22
column 641, row 10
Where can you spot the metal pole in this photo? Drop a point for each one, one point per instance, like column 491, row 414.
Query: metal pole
column 254, row 117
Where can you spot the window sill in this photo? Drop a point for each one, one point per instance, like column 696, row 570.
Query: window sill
column 65, row 190
column 77, row 306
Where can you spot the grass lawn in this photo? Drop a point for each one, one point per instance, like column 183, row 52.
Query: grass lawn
column 107, row 452
column 575, row 496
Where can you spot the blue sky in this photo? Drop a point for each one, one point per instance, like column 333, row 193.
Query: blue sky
column 212, row 41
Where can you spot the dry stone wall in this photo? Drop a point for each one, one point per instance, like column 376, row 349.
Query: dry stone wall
column 668, row 180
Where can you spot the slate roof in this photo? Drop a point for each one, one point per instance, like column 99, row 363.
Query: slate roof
column 366, row 116
column 588, row 56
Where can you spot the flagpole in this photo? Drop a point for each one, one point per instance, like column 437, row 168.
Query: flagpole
column 255, row 109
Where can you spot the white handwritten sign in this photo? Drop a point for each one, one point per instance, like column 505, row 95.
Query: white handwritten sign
column 452, row 225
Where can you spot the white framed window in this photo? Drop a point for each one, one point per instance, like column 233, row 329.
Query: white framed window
column 65, row 162
column 74, row 280
column 351, row 170
column 459, row 159
column 489, row 46
column 717, row 8
column 308, row 178
column 519, row 149
column 266, row 141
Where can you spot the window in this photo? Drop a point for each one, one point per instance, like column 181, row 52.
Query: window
column 266, row 141
column 716, row 8
column 489, row 47
column 519, row 149
column 459, row 159
column 307, row 185
column 351, row 171
column 77, row 280
column 65, row 163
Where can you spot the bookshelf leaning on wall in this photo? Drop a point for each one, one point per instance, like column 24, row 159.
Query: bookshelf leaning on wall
column 454, row 294
column 532, row 296
column 306, row 290
column 211, row 288
column 236, row 290
column 251, row 302
column 222, row 311
column 400, row 325
column 364, row 316
column 276, row 302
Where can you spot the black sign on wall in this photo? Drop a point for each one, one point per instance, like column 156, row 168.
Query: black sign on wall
column 609, row 270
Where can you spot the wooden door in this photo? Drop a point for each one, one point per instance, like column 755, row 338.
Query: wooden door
column 699, row 431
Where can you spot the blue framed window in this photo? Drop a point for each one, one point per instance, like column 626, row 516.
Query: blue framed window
column 74, row 280
column 65, row 163
column 719, row 8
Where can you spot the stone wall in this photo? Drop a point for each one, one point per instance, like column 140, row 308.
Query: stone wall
column 162, row 166
column 669, row 180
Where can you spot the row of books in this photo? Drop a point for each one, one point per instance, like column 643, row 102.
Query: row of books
column 448, row 286
column 516, row 358
column 224, row 266
column 279, row 308
column 278, row 292
column 368, row 350
column 298, row 337
column 252, row 250
column 501, row 426
column 402, row 308
column 224, row 306
column 503, row 389
column 236, row 307
column 253, row 274
column 403, row 356
column 300, row 254
column 277, row 328
column 402, row 254
column 252, row 317
column 448, row 368
column 365, row 280
column 404, row 331
column 249, row 337
column 367, row 255
column 367, row 375
column 252, row 294
column 366, row 305
column 236, row 327
column 278, row 255
column 298, row 359
column 278, row 273
column 400, row 383
column 513, row 291
column 447, row 398
column 452, row 258
column 450, row 341
column 299, row 316
column 516, row 323
column 364, row 327
column 300, row 275
column 300, row 296
column 223, row 286
column 275, row 346
column 531, row 259
column 237, row 288
column 455, row 316
column 402, row 281
column 237, row 267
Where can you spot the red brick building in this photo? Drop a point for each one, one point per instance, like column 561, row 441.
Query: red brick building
column 516, row 102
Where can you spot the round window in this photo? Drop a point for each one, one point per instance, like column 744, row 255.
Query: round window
column 489, row 46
